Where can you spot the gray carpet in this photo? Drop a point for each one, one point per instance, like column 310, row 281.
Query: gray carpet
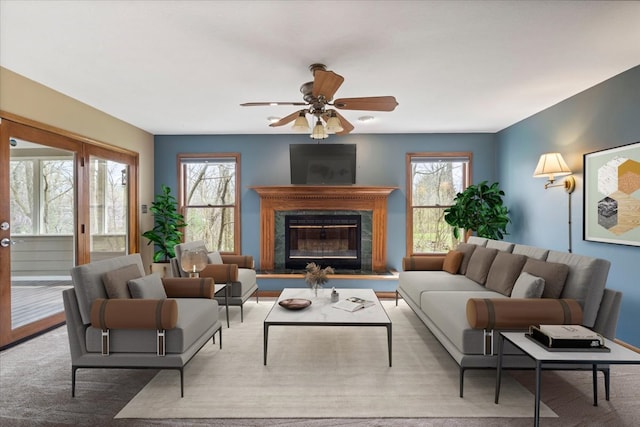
column 35, row 390
column 320, row 372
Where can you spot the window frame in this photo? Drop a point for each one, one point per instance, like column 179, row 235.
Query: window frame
column 409, row 190
column 184, row 158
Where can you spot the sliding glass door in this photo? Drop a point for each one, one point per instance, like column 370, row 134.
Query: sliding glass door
column 63, row 202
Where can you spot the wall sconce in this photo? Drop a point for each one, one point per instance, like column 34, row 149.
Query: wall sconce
column 551, row 165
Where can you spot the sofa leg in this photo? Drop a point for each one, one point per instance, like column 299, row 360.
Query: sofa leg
column 73, row 381
column 241, row 313
column 181, row 382
column 396, row 298
column 257, row 295
column 607, row 382
column 461, row 381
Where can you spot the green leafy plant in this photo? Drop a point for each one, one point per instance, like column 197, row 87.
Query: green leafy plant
column 168, row 222
column 479, row 208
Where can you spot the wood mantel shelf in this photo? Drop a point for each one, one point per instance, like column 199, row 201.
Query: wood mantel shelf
column 323, row 197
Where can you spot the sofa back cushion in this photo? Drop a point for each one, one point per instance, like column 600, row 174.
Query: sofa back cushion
column 553, row 273
column 504, row 272
column 480, row 263
column 181, row 248
column 116, row 281
column 87, row 280
column 585, row 283
column 452, row 262
column 478, row 241
column 467, row 250
column 528, row 286
column 500, row 245
column 147, row 287
column 531, row 251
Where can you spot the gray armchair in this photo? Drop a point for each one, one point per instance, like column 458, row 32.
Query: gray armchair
column 119, row 318
column 236, row 271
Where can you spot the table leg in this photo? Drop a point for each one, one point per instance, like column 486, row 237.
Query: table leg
column 266, row 337
column 536, row 419
column 499, row 368
column 389, row 342
column 595, row 384
column 226, row 300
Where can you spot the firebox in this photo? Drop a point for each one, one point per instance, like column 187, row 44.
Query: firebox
column 327, row 240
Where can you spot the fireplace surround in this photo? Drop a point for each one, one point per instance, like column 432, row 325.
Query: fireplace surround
column 371, row 200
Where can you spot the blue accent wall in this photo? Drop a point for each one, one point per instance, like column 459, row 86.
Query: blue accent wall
column 605, row 116
column 380, row 161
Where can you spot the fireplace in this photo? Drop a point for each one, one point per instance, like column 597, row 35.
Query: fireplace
column 370, row 201
column 327, row 240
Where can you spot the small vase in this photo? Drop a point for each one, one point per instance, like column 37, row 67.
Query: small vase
column 316, row 290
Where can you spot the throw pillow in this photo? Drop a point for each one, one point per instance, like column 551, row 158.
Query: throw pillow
column 115, row 281
column 147, row 287
column 452, row 262
column 528, row 286
column 215, row 258
column 467, row 249
column 480, row 263
column 504, row 272
column 553, row 273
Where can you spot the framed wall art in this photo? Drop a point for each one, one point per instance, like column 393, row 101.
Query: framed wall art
column 612, row 195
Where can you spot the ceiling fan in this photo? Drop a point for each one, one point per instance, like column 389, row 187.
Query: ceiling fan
column 318, row 95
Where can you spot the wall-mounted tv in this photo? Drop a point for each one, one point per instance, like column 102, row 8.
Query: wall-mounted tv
column 323, row 164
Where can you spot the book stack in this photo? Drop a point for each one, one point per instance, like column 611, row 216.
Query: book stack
column 565, row 337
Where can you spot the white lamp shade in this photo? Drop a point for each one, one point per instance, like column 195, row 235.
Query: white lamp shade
column 318, row 131
column 550, row 165
column 334, row 125
column 301, row 124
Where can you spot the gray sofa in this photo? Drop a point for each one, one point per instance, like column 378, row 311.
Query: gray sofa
column 466, row 306
column 119, row 318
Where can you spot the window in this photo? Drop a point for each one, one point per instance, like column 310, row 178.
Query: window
column 42, row 196
column 433, row 180
column 210, row 200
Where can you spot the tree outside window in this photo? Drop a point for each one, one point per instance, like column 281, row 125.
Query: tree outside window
column 434, row 180
column 210, row 200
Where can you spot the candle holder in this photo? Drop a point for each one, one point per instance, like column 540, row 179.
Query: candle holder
column 194, row 261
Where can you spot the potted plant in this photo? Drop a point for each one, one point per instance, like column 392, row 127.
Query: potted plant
column 167, row 224
column 479, row 208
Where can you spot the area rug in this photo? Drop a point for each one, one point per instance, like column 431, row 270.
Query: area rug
column 320, row 372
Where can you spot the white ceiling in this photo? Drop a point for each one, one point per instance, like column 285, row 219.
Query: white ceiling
column 183, row 67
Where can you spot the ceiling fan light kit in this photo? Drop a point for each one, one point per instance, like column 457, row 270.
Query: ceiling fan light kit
column 318, row 95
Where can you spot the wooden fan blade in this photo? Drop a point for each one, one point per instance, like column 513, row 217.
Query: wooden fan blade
column 288, row 119
column 326, row 83
column 266, row 104
column 346, row 126
column 371, row 103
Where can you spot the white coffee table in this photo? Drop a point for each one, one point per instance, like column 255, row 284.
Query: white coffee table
column 321, row 313
column 618, row 355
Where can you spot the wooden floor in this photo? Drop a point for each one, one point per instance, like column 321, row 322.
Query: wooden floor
column 37, row 299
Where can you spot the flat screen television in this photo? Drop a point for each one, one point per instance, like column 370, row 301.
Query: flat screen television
column 323, row 164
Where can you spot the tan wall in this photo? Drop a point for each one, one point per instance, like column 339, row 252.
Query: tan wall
column 26, row 98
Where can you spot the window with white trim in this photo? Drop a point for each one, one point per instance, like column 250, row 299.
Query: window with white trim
column 433, row 180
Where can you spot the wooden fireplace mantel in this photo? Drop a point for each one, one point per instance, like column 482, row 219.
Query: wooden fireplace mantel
column 323, row 197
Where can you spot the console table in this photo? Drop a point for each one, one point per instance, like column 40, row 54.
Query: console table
column 618, row 355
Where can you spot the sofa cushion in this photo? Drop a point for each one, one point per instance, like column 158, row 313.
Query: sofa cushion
column 504, row 272
column 553, row 273
column 87, row 280
column 478, row 241
column 531, row 251
column 500, row 245
column 480, row 263
column 149, row 287
column 585, row 283
column 528, row 286
column 195, row 317
column 448, row 310
column 452, row 262
column 215, row 257
column 467, row 249
column 116, row 281
column 414, row 283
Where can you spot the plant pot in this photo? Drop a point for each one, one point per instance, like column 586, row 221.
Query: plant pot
column 162, row 268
